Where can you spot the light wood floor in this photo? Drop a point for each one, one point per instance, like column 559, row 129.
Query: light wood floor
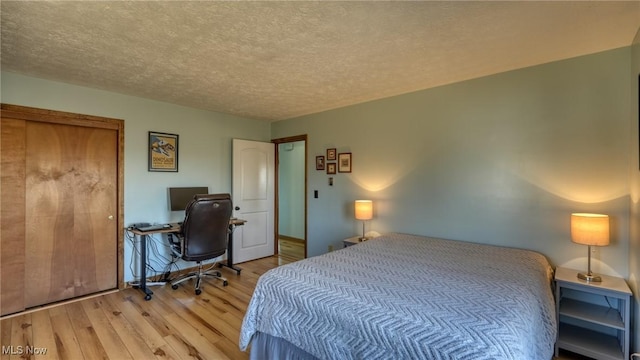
column 292, row 250
column 175, row 324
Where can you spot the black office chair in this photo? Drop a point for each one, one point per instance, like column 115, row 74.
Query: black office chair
column 204, row 235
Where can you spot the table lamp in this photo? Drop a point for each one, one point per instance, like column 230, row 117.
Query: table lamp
column 590, row 230
column 364, row 212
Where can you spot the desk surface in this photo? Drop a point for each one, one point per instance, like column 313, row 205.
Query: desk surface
column 175, row 227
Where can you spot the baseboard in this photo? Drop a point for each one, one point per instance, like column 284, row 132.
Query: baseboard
column 58, row 303
column 290, row 238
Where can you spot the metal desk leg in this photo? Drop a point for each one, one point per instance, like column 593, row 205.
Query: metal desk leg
column 143, row 268
column 229, row 263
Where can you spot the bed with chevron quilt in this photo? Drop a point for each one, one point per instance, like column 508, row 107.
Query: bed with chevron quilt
column 403, row 296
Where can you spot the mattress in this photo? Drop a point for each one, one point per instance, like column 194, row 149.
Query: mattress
column 403, row 296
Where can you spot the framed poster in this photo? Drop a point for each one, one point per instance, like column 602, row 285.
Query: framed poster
column 331, row 168
column 320, row 162
column 344, row 162
column 331, row 154
column 163, row 152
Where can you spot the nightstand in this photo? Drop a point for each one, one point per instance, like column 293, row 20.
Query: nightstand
column 351, row 241
column 593, row 317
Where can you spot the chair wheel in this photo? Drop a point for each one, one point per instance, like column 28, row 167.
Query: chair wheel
column 148, row 297
column 198, row 291
column 174, row 287
column 225, row 283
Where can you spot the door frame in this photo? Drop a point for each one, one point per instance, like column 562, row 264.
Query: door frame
column 278, row 141
column 67, row 118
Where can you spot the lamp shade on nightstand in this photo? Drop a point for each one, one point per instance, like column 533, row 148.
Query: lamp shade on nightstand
column 364, row 212
column 364, row 209
column 590, row 230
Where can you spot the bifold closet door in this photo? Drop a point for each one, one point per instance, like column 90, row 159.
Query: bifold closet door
column 12, row 215
column 71, row 202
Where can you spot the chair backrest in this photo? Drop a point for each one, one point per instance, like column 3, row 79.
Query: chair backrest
column 206, row 227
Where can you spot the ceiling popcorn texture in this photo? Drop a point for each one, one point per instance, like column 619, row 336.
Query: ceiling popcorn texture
column 279, row 60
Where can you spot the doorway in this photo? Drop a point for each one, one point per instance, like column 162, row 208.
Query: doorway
column 291, row 200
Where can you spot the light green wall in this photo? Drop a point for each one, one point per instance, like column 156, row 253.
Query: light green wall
column 634, row 248
column 502, row 160
column 204, row 142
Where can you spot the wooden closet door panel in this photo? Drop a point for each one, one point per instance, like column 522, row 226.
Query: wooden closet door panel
column 12, row 213
column 70, row 240
column 97, row 210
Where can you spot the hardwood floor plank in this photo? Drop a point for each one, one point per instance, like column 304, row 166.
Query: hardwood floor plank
column 183, row 348
column 43, row 337
column 231, row 350
column 89, row 342
column 138, row 320
column 67, row 344
column 292, row 249
column 148, row 310
column 21, row 333
column 131, row 339
column 111, row 342
column 196, row 338
column 5, row 337
column 192, row 313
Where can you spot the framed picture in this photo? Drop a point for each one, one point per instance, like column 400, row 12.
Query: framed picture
column 163, row 152
column 320, row 162
column 331, row 168
column 344, row 162
column 331, row 154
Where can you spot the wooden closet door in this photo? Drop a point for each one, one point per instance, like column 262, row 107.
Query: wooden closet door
column 71, row 201
column 12, row 215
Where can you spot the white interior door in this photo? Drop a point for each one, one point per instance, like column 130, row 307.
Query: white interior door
column 253, row 199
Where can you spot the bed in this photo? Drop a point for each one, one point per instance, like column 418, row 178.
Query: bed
column 403, row 296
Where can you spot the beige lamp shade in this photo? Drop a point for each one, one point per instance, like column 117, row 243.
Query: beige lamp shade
column 364, row 209
column 590, row 229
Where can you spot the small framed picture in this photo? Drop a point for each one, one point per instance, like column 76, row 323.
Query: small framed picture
column 331, row 154
column 344, row 162
column 331, row 168
column 320, row 162
column 163, row 152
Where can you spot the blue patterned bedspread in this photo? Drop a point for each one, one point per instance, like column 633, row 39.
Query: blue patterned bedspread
column 410, row 297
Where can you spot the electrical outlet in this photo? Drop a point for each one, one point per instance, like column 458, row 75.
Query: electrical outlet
column 330, row 248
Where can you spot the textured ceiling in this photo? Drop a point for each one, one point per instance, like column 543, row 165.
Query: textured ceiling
column 278, row 60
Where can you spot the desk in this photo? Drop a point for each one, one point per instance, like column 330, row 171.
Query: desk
column 175, row 228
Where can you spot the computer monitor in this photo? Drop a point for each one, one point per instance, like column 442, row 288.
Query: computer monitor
column 179, row 197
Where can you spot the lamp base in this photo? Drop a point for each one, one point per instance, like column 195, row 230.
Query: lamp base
column 589, row 277
column 363, row 238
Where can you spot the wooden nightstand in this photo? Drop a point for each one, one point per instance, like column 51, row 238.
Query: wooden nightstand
column 599, row 328
column 351, row 241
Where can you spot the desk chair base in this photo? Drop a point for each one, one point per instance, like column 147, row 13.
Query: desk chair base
column 198, row 275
